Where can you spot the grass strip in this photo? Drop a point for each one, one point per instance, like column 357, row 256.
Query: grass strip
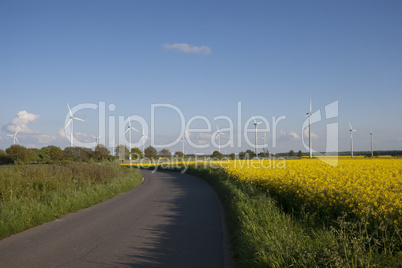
column 41, row 194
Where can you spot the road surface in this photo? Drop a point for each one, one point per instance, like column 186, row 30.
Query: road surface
column 171, row 220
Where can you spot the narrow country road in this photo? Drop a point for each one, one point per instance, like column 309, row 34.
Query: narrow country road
column 171, row 220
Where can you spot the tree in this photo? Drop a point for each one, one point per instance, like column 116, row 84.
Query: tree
column 179, row 154
column 291, row 153
column 217, row 155
column 122, row 152
column 232, row 156
column 51, row 152
column 165, row 153
column 17, row 153
column 4, row 158
column 136, row 153
column 250, row 154
column 300, row 154
column 80, row 154
column 101, row 152
column 242, row 155
column 151, row 152
column 33, row 155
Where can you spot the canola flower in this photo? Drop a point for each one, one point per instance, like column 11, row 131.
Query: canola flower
column 356, row 186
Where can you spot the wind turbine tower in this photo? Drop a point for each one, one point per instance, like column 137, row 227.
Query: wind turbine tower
column 218, row 136
column 70, row 122
column 256, row 125
column 309, row 114
column 129, row 130
column 97, row 139
column 14, row 136
column 113, row 143
column 351, row 139
column 371, row 134
column 143, row 137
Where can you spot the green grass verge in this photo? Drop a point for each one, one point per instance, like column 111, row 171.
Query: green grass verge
column 30, row 196
column 263, row 235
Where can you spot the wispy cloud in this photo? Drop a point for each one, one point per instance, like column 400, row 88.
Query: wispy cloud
column 186, row 48
column 313, row 135
column 291, row 135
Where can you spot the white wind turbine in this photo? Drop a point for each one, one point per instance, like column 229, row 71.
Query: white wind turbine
column 14, row 136
column 351, row 139
column 183, row 141
column 143, row 137
column 218, row 136
column 264, row 139
column 371, row 134
column 129, row 130
column 113, row 143
column 309, row 114
column 256, row 125
column 97, row 139
column 72, row 117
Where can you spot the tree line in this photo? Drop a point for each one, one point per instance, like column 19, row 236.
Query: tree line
column 51, row 154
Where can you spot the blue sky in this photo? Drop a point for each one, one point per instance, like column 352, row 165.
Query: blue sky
column 203, row 57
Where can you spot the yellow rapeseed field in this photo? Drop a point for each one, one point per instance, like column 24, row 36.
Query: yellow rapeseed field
column 356, row 186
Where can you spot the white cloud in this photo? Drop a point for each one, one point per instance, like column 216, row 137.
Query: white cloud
column 43, row 138
column 20, row 123
column 186, row 48
column 313, row 135
column 291, row 135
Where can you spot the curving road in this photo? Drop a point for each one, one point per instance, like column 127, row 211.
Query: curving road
column 171, row 220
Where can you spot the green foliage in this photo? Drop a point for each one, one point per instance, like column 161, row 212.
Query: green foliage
column 52, row 153
column 165, row 153
column 79, row 154
column 300, row 154
column 32, row 195
column 217, row 155
column 18, row 153
column 151, row 152
column 101, row 152
column 292, row 153
column 247, row 155
column 122, row 152
column 232, row 156
column 179, row 154
column 136, row 153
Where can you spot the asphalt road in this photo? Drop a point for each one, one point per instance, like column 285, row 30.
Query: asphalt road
column 171, row 220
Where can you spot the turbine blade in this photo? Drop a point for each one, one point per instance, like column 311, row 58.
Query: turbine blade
column 127, row 130
column 134, row 128
column 253, row 119
column 69, row 110
column 78, row 119
column 68, row 122
column 17, row 131
column 16, row 139
column 350, row 125
column 310, row 106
